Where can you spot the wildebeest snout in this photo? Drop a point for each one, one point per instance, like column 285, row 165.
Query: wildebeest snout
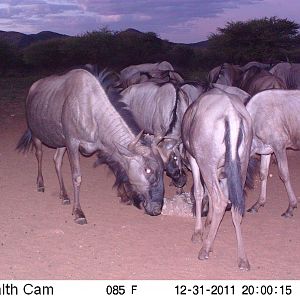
column 153, row 209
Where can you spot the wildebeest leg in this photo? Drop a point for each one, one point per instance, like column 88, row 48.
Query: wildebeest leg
column 58, row 157
column 209, row 211
column 73, row 151
column 39, row 155
column 198, row 195
column 264, row 171
column 218, row 202
column 243, row 262
column 285, row 177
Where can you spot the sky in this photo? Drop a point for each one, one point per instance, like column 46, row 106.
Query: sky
column 181, row 21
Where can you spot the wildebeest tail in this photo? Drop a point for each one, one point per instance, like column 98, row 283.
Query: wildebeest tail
column 25, row 142
column 233, row 167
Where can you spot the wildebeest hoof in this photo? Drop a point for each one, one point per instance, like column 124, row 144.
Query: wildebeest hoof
column 65, row 201
column 207, row 222
column 203, row 254
column 41, row 189
column 197, row 237
column 254, row 208
column 80, row 221
column 79, row 217
column 287, row 214
column 244, row 264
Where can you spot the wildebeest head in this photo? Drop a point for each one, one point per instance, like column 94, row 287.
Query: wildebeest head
column 170, row 154
column 144, row 169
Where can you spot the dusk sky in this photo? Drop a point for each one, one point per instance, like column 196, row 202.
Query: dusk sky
column 177, row 20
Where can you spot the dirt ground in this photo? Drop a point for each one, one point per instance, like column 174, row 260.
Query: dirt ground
column 39, row 240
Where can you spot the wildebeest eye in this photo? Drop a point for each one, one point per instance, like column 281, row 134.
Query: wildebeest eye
column 175, row 157
column 148, row 171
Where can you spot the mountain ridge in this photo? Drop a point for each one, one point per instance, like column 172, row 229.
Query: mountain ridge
column 23, row 40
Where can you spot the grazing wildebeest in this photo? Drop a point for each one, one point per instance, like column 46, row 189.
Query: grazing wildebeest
column 260, row 65
column 289, row 73
column 156, row 76
column 226, row 74
column 140, row 73
column 158, row 109
column 217, row 134
column 80, row 112
column 276, row 127
column 255, row 80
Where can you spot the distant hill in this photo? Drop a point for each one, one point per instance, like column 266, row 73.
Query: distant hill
column 22, row 40
column 134, row 32
column 202, row 44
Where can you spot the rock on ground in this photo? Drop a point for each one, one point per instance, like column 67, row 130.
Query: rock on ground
column 180, row 205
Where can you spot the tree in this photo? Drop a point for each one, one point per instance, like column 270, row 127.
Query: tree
column 8, row 56
column 44, row 54
column 266, row 39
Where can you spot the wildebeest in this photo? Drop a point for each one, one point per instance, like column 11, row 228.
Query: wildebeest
column 143, row 72
column 255, row 80
column 276, row 127
column 226, row 74
column 158, row 109
column 261, row 66
column 155, row 76
column 217, row 134
column 242, row 95
column 80, row 112
column 193, row 90
column 289, row 73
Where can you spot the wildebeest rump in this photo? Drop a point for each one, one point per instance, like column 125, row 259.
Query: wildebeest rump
column 78, row 111
column 242, row 95
column 276, row 126
column 217, row 134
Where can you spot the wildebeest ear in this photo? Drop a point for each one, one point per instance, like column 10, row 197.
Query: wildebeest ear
column 131, row 146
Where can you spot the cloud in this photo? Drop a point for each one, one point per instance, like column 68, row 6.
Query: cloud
column 176, row 20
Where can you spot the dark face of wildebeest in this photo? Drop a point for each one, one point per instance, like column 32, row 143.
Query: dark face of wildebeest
column 145, row 183
column 170, row 154
column 174, row 171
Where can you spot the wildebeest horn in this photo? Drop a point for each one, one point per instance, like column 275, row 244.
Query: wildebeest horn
column 131, row 146
column 158, row 139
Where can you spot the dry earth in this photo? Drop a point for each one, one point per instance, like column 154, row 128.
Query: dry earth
column 39, row 240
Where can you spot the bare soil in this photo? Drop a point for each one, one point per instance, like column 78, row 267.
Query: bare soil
column 39, row 239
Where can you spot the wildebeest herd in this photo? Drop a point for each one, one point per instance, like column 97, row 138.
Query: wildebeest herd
column 148, row 119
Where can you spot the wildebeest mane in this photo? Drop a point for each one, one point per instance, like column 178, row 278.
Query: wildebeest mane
column 114, row 166
column 109, row 81
column 174, row 112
